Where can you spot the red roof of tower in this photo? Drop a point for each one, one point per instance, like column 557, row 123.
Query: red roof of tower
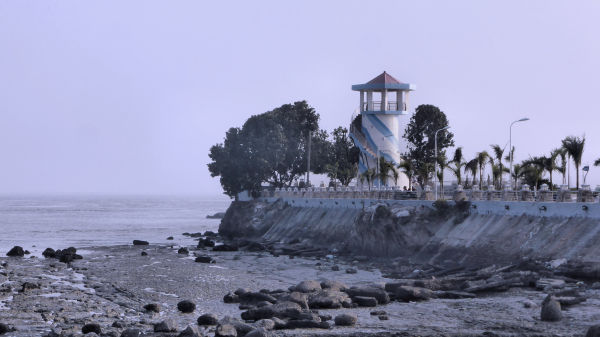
column 384, row 78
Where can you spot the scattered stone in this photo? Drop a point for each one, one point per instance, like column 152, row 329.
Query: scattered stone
column 335, row 268
column 453, row 294
column 152, row 307
column 325, row 318
column 140, row 243
column 370, row 291
column 49, row 253
column 378, row 313
column 306, row 324
column 267, row 324
column 240, row 291
column 16, row 251
column 231, row 298
column 170, row 238
column 281, row 310
column 186, row 306
column 225, row 330
column 255, row 297
column 183, row 251
column 334, row 285
column 529, row 304
column 328, row 299
column 91, row 327
column 260, row 332
column 347, row 319
column 206, row 242
column 144, row 253
column 190, row 331
column 296, row 297
column 210, row 234
column 383, row 317
column 204, row 259
column 131, row 333
column 408, row 293
column 240, row 327
column 118, row 324
column 4, row 328
column 364, row 301
column 307, row 286
column 29, row 286
column 351, row 271
column 208, row 319
column 593, row 331
column 167, row 325
column 551, row 310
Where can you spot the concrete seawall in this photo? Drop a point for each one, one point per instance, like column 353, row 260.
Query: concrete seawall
column 484, row 232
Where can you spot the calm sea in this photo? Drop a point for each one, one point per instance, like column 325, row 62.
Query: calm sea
column 59, row 222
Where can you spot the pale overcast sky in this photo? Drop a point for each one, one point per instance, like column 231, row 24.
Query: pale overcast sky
column 128, row 96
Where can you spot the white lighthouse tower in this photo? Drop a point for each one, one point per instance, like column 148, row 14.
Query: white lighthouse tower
column 384, row 114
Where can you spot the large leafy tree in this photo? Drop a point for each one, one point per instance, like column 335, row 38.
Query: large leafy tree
column 270, row 147
column 343, row 157
column 420, row 133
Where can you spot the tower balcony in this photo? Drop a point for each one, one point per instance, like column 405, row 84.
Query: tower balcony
column 378, row 107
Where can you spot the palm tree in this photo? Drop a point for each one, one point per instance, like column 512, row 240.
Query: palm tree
column 517, row 173
column 597, row 162
column 563, row 163
column 498, row 153
column 386, row 170
column 550, row 164
column 408, row 169
column 482, row 158
column 533, row 169
column 471, row 166
column 458, row 162
column 574, row 147
column 442, row 163
column 369, row 176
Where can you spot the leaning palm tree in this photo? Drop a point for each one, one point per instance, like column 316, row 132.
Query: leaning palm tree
column 562, row 168
column 471, row 167
column 457, row 164
column 574, row 147
column 550, row 164
column 408, row 169
column 482, row 159
column 498, row 153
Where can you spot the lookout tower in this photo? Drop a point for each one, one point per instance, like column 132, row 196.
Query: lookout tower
column 383, row 111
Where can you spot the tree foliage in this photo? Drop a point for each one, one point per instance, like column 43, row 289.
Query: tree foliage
column 344, row 157
column 420, row 133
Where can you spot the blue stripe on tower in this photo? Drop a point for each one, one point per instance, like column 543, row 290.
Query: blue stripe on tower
column 374, row 147
column 381, row 127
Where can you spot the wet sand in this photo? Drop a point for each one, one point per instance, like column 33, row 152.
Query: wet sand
column 114, row 283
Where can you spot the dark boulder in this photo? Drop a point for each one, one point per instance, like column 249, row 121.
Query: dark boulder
column 296, row 297
column 335, row 268
column 118, row 324
column 267, row 324
column 334, row 285
column 144, row 253
column 152, row 307
column 167, row 325
column 306, row 324
column 16, row 251
column 280, row 310
column 378, row 313
column 206, row 243
column 208, row 319
column 226, row 330
column 240, row 327
column 408, row 293
column 29, row 286
column 328, row 299
column 255, row 297
column 4, row 328
column 49, row 253
column 170, row 238
column 231, row 298
column 225, row 248
column 370, row 291
column 210, row 234
column 351, row 271
column 346, row 319
column 551, row 311
column 140, row 243
column 593, row 331
column 364, row 301
column 259, row 332
column 204, row 259
column 307, row 286
column 190, row 331
column 383, row 317
column 91, row 327
column 186, row 306
column 183, row 251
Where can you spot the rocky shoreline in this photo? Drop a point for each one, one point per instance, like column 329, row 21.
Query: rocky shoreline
column 261, row 288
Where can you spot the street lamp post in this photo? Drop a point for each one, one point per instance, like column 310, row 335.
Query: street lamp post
column 436, row 160
column 510, row 151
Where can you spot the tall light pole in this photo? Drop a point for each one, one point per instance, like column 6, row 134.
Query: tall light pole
column 436, row 160
column 510, row 151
